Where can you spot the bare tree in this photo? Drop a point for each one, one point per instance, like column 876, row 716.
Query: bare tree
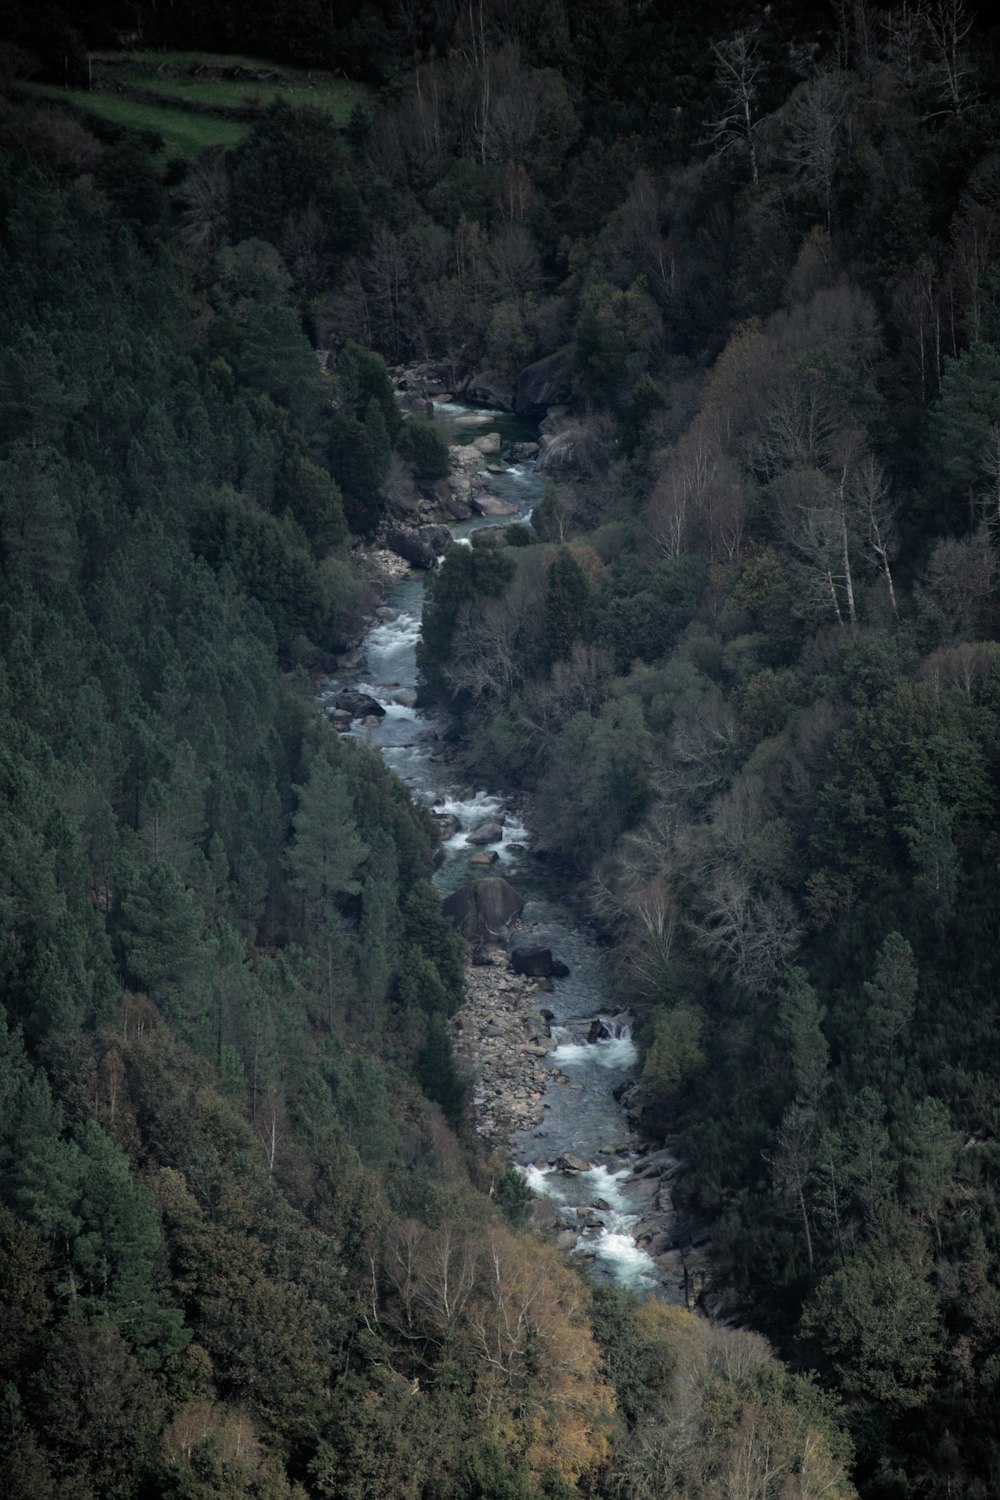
column 749, row 933
column 738, row 69
column 704, row 747
column 948, row 25
column 904, row 36
column 869, row 498
column 816, row 130
column 812, row 518
column 961, row 578
column 699, row 499
column 796, row 426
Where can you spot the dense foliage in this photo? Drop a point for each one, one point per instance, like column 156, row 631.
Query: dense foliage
column 747, row 669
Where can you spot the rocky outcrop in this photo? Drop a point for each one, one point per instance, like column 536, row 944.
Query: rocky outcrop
column 425, row 379
column 487, row 388
column 484, row 910
column 545, row 383
column 562, row 452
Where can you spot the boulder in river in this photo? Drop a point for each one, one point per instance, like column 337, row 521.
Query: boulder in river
column 447, row 825
column 488, row 443
column 486, row 833
column 483, row 858
column 607, row 1028
column 571, row 1165
column 483, row 910
column 420, row 548
column 532, row 959
column 486, row 504
column 359, row 705
column 438, row 538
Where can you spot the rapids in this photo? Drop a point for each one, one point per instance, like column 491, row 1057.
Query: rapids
column 580, row 1114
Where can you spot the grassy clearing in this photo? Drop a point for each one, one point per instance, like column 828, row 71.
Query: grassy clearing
column 184, row 133
column 176, row 75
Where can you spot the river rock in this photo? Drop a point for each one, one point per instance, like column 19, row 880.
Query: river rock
column 350, row 661
column 340, row 719
column 406, row 698
column 570, row 1164
column 559, row 969
column 607, row 1028
column 359, row 705
column 532, row 959
column 486, row 833
column 386, row 614
column 485, row 504
column 545, row 383
column 488, row 443
column 409, row 546
column 447, row 825
column 483, row 910
column 451, row 502
column 520, row 453
column 438, row 538
column 483, row 858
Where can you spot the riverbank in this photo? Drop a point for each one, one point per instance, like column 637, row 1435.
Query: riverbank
column 501, row 1038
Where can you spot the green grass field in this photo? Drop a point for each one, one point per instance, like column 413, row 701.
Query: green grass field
column 184, row 133
column 177, row 75
column 203, row 113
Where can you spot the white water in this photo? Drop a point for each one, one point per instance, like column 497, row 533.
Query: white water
column 580, row 1115
column 616, row 1052
column 610, row 1243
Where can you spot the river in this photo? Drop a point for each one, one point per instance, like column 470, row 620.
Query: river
column 579, row 1115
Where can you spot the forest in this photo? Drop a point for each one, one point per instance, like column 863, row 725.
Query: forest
column 743, row 669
